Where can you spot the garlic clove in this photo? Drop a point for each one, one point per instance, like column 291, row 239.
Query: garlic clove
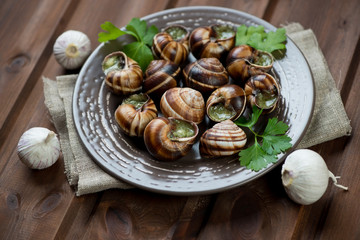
column 38, row 148
column 305, row 176
column 71, row 49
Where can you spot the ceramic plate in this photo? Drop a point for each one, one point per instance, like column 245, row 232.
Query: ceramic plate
column 127, row 159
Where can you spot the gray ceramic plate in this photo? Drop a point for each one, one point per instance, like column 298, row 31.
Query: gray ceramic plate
column 127, row 159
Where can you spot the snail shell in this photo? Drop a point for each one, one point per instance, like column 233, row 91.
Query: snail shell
column 172, row 44
column 263, row 91
column 123, row 75
column 184, row 103
column 223, row 139
column 205, row 75
column 168, row 139
column 244, row 61
column 212, row 41
column 160, row 76
column 227, row 102
column 135, row 113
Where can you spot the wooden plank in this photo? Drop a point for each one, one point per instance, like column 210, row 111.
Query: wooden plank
column 337, row 32
column 25, row 31
column 253, row 211
column 336, row 28
column 134, row 214
column 32, row 202
column 342, row 213
column 336, row 209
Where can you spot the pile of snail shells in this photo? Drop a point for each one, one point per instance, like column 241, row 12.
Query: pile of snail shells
column 218, row 84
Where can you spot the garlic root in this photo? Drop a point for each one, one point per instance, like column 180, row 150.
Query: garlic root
column 332, row 176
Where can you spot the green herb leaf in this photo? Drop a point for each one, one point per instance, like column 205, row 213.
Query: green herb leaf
column 255, row 158
column 111, row 32
column 261, row 40
column 275, row 127
column 249, row 123
column 274, row 142
column 150, row 33
column 243, row 33
column 139, row 50
column 138, row 27
column 271, row 42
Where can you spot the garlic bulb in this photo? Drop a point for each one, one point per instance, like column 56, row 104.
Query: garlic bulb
column 38, row 148
column 305, row 176
column 71, row 49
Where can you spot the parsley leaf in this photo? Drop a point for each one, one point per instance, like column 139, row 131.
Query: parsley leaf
column 150, row 33
column 243, row 33
column 137, row 27
column 140, row 52
column 111, row 32
column 275, row 127
column 255, row 157
column 243, row 122
column 140, row 49
column 261, row 40
column 274, row 142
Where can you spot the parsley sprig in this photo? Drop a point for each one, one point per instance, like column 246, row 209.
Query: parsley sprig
column 140, row 49
column 274, row 141
column 261, row 40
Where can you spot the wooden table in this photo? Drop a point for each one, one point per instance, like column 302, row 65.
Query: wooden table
column 42, row 205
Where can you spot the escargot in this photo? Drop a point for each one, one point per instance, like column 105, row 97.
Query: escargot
column 263, row 91
column 205, row 75
column 244, row 61
column 227, row 102
column 168, row 139
column 123, row 75
column 212, row 41
column 135, row 112
column 160, row 76
column 223, row 139
column 184, row 103
column 172, row 44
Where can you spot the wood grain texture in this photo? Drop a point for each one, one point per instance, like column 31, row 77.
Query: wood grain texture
column 41, row 205
column 334, row 25
column 24, row 45
column 134, row 214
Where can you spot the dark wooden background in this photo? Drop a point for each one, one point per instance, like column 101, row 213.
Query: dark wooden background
column 41, row 205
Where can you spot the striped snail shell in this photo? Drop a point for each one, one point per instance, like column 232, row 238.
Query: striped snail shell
column 212, row 41
column 263, row 91
column 123, row 75
column 168, row 139
column 223, row 139
column 244, row 61
column 184, row 103
column 160, row 76
column 135, row 112
column 172, row 44
column 205, row 75
column 227, row 102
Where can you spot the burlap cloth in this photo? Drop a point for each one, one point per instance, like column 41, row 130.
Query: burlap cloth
column 329, row 119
